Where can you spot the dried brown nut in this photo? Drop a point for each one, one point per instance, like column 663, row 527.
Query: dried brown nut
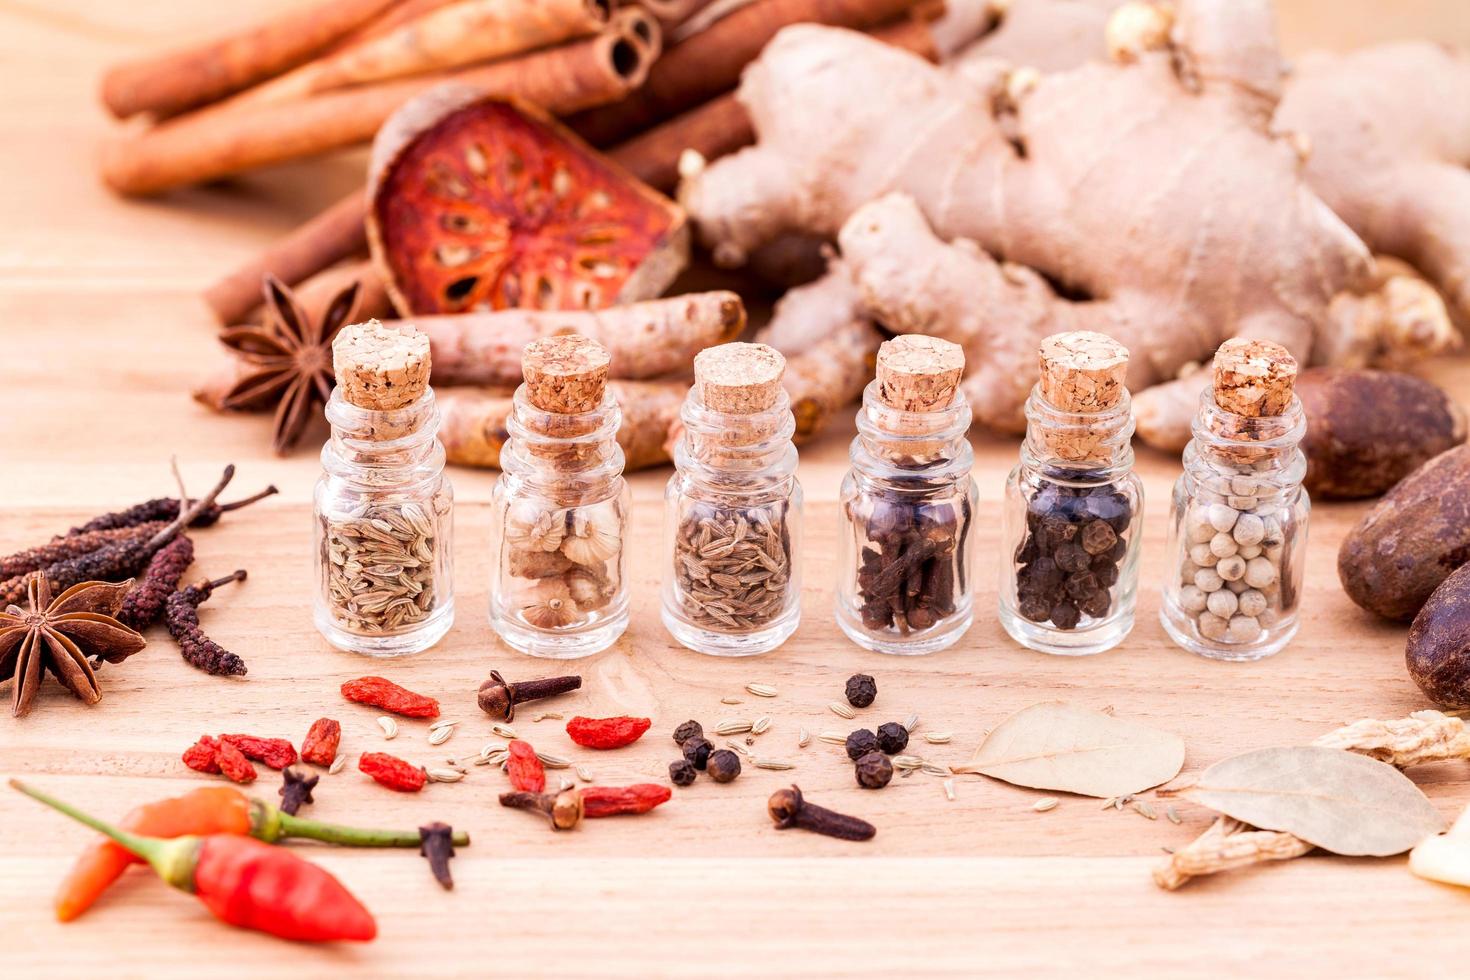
column 1438, row 648
column 1411, row 540
column 1366, row 430
column 873, row 771
column 480, row 204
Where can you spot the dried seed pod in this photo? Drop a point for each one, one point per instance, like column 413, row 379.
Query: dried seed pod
column 62, row 548
column 182, row 617
column 146, row 600
column 453, row 174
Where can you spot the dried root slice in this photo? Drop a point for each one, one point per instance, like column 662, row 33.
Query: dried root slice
column 1228, row 844
column 473, row 421
column 830, row 375
column 645, row 339
column 1424, row 736
column 479, row 204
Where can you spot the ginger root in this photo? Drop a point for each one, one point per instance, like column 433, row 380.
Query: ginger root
column 1424, row 736
column 473, row 421
column 1226, row 845
column 645, row 339
column 1148, row 201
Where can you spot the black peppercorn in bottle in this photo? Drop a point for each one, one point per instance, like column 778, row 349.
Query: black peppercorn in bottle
column 904, row 573
column 1073, row 504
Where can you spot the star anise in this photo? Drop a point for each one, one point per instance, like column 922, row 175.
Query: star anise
column 288, row 359
column 60, row 635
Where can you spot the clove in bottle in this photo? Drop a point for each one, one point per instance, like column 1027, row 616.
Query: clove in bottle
column 904, row 583
column 1073, row 504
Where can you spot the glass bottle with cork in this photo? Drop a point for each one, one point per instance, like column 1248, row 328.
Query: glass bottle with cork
column 1238, row 519
column 383, row 506
column 1073, row 505
column 733, row 508
column 560, row 509
column 904, row 583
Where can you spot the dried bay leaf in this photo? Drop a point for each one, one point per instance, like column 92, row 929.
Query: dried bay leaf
column 1059, row 746
column 1340, row 801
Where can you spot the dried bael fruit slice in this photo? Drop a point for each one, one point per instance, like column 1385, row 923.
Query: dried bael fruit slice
column 480, row 204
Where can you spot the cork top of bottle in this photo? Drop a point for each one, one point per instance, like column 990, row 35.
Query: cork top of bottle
column 1083, row 371
column 381, row 368
column 919, row 374
column 739, row 379
column 1254, row 378
column 566, row 375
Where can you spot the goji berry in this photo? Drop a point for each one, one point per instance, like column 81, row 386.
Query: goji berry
column 278, row 753
column 202, row 755
column 393, row 772
column 320, row 745
column 383, row 693
column 526, row 772
column 610, row 801
column 233, row 764
column 607, row 733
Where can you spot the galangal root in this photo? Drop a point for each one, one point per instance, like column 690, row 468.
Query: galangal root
column 993, row 207
column 1423, row 737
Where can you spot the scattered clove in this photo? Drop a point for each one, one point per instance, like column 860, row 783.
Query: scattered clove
column 436, row 842
column 789, row 809
column 563, row 809
column 498, row 697
column 295, row 791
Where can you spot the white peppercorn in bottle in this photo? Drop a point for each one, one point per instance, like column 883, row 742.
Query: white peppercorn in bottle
column 1238, row 519
column 1073, row 504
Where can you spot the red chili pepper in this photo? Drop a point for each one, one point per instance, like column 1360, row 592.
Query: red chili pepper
column 243, row 881
column 383, row 693
column 611, row 801
column 607, row 733
column 233, row 764
column 203, row 755
column 278, row 753
column 393, row 772
column 320, row 745
column 526, row 771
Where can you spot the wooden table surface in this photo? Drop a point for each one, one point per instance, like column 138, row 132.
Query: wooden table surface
column 103, row 337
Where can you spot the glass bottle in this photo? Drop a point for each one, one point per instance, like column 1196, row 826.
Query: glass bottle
column 560, row 509
column 1238, row 518
column 1073, row 505
column 732, row 586
column 904, row 582
column 383, row 506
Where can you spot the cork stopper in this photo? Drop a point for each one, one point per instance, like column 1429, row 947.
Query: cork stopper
column 1254, row 378
column 381, row 368
column 566, row 375
column 739, row 379
column 1083, row 371
column 919, row 374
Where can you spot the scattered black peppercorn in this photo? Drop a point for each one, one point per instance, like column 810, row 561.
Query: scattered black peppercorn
column 860, row 743
column 861, row 690
column 892, row 738
column 296, row 790
column 724, row 765
column 690, row 729
column 1070, row 555
column 682, row 773
column 873, row 770
column 436, row 842
column 697, row 750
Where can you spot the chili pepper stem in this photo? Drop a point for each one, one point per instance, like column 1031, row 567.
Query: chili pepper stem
column 173, row 859
column 269, row 824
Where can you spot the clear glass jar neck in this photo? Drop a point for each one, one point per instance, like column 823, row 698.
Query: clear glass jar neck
column 383, row 449
column 895, row 445
column 571, row 456
column 1269, row 445
column 736, row 452
column 1078, row 447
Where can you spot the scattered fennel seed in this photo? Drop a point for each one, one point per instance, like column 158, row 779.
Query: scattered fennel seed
column 838, row 708
column 1045, row 803
column 338, row 764
column 762, row 690
column 761, row 726
column 938, row 738
column 389, row 726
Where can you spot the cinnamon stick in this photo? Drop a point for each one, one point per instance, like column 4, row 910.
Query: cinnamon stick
column 390, row 20
column 460, row 34
column 722, row 126
column 202, row 73
column 645, row 340
column 323, row 241
column 710, row 62
column 225, row 140
column 671, row 13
